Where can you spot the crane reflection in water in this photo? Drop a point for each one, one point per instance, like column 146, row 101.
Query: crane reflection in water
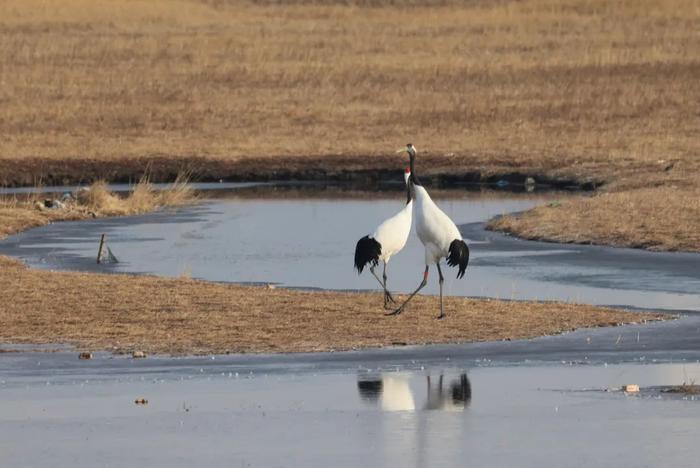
column 392, row 392
column 407, row 429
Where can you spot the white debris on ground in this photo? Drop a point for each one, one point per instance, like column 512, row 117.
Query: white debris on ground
column 630, row 388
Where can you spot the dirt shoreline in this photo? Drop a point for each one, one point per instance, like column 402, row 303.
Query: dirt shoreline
column 28, row 172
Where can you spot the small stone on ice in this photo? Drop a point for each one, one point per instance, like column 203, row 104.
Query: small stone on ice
column 630, row 388
column 138, row 354
column 85, row 356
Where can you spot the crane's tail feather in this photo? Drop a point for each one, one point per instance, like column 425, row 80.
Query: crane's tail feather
column 367, row 251
column 458, row 256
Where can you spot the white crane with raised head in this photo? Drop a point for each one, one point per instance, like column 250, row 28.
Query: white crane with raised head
column 436, row 231
column 386, row 241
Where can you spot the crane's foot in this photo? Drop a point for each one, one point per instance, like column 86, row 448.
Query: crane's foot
column 388, row 300
column 395, row 312
column 441, row 316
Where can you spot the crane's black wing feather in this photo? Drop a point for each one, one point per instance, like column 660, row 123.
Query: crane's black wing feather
column 458, row 256
column 367, row 251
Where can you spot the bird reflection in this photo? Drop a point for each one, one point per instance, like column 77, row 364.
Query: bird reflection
column 393, row 393
column 458, row 394
column 370, row 390
column 417, row 438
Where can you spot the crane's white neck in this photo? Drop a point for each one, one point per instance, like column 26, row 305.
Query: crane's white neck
column 420, row 194
column 407, row 178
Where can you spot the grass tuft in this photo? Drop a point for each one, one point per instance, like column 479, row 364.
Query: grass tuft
column 18, row 214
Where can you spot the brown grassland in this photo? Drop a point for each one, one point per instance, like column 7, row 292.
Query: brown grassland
column 574, row 89
column 122, row 313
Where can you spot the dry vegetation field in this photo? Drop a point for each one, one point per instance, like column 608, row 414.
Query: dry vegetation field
column 661, row 218
column 584, row 87
column 19, row 214
column 575, row 89
column 122, row 313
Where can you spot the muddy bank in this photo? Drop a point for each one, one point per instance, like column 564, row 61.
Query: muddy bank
column 368, row 169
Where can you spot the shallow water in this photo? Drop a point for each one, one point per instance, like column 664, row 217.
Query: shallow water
column 220, row 415
column 309, row 243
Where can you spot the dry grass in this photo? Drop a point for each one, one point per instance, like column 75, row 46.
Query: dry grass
column 17, row 217
column 578, row 87
column 645, row 218
column 684, row 389
column 142, row 199
column 121, row 313
column 94, row 201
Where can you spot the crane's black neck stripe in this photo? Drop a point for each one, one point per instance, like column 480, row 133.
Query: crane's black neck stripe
column 413, row 177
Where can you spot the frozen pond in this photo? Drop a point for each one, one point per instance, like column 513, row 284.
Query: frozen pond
column 368, row 413
column 307, row 240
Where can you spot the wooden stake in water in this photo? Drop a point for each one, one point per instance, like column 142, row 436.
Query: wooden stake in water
column 99, row 251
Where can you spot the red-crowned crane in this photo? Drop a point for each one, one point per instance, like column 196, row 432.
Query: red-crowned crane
column 436, row 231
column 387, row 240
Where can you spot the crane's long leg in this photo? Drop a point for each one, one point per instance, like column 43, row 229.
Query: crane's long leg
column 442, row 280
column 387, row 294
column 420, row 286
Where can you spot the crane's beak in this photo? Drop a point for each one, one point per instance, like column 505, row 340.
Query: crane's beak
column 402, row 150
